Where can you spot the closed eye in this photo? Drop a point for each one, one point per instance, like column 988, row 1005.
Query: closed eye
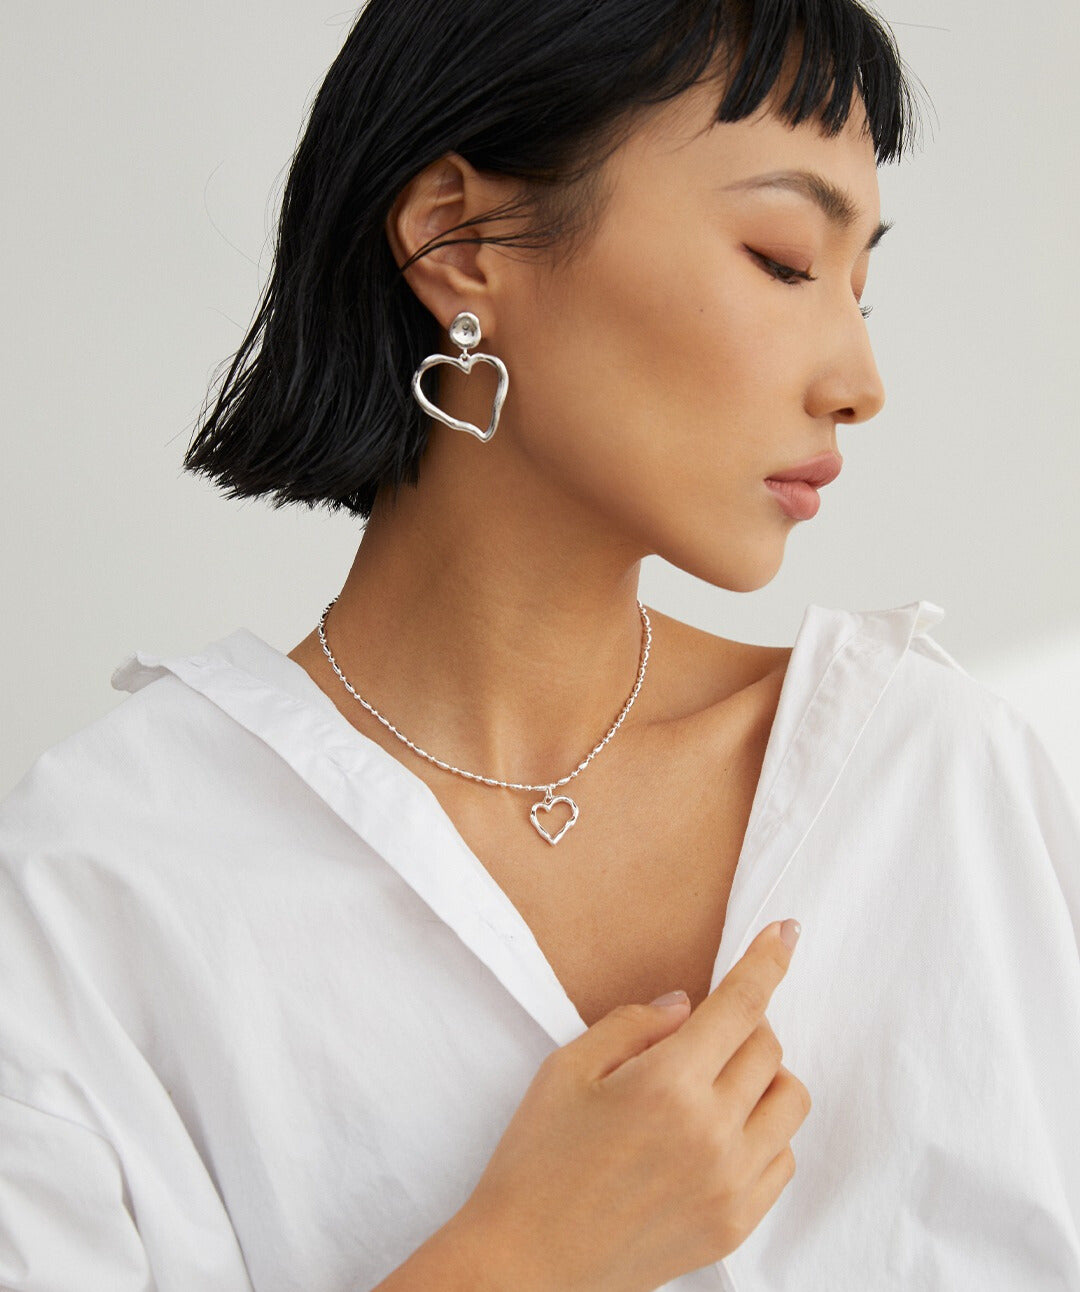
column 785, row 273
column 792, row 276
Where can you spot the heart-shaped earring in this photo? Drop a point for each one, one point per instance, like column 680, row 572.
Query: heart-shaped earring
column 465, row 332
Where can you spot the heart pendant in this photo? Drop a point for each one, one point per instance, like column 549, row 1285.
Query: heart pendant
column 545, row 806
column 465, row 363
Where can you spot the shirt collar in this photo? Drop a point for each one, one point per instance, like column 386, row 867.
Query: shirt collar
column 840, row 665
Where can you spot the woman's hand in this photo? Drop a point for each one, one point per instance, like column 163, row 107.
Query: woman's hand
column 647, row 1147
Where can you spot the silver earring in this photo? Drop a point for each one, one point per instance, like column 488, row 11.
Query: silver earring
column 465, row 332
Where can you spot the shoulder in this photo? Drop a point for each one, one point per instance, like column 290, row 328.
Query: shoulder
column 936, row 693
column 108, row 790
column 972, row 748
column 148, row 732
column 698, row 670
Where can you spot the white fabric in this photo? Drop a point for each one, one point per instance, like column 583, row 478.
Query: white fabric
column 264, row 1016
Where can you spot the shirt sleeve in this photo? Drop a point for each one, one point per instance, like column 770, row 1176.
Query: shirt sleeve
column 102, row 1187
column 1047, row 840
column 64, row 1220
column 1055, row 811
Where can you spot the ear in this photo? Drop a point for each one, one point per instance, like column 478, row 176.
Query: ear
column 452, row 278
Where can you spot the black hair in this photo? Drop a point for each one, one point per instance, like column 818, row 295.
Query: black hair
column 316, row 406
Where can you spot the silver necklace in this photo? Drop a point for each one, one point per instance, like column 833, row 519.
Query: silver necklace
column 550, row 798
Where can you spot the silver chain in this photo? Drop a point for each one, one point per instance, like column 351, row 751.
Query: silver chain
column 487, row 780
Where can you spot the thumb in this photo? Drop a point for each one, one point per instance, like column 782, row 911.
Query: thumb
column 628, row 1030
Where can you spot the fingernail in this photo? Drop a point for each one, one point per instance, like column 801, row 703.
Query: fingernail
column 671, row 998
column 789, row 933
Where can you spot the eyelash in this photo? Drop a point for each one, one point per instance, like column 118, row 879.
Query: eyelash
column 779, row 271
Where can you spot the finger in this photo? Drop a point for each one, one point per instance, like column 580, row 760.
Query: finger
column 779, row 1113
column 770, row 1184
column 624, row 1033
column 750, row 1071
column 728, row 1015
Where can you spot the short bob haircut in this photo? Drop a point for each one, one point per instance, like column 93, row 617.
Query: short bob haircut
column 316, row 406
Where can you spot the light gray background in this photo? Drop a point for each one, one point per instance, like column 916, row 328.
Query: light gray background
column 145, row 148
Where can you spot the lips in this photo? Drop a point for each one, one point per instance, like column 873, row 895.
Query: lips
column 816, row 471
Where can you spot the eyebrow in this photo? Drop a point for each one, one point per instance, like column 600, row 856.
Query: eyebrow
column 837, row 204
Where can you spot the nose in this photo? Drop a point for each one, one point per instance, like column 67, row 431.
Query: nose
column 849, row 387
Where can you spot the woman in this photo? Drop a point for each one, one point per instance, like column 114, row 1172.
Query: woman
column 329, row 969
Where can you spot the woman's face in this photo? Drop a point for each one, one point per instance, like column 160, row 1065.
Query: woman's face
column 663, row 373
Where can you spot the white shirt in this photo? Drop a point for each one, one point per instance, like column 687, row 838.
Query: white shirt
column 264, row 1016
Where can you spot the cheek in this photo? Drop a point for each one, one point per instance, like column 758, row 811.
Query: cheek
column 646, row 364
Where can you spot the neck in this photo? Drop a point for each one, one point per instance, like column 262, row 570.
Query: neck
column 493, row 625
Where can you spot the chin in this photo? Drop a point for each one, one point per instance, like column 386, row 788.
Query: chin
column 751, row 583
column 746, row 570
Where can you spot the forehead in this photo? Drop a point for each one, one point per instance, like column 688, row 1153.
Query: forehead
column 681, row 144
column 688, row 123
